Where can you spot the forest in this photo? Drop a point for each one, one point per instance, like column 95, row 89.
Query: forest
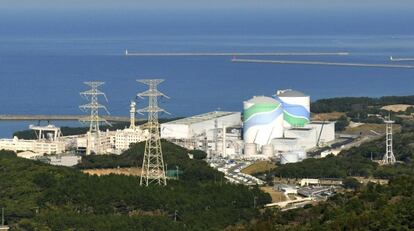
column 38, row 196
column 347, row 104
column 372, row 207
column 362, row 109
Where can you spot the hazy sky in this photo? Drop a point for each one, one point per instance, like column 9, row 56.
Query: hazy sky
column 204, row 4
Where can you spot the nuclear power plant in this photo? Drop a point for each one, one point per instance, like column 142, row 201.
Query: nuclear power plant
column 277, row 127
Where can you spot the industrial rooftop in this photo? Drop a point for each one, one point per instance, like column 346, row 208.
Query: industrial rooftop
column 201, row 117
column 290, row 93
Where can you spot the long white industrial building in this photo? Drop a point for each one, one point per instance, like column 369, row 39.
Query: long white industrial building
column 199, row 125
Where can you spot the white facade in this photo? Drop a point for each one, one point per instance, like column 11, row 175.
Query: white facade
column 199, row 125
column 262, row 120
column 124, row 138
column 325, row 131
column 65, row 160
column 296, row 107
column 307, row 182
column 306, row 137
column 48, row 141
column 286, row 144
column 111, row 142
column 29, row 155
column 36, row 146
column 289, row 157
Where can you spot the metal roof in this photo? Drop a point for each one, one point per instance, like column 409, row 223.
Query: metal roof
column 202, row 117
column 290, row 93
column 262, row 99
column 321, row 122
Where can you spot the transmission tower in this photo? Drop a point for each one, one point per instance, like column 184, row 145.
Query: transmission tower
column 153, row 164
column 389, row 157
column 93, row 96
column 93, row 106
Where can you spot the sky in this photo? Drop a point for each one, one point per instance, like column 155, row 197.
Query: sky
column 94, row 17
column 205, row 4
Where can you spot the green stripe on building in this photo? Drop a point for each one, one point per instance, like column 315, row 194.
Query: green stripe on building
column 294, row 121
column 258, row 108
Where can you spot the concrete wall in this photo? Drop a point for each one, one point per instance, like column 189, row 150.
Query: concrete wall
column 328, row 131
column 307, row 137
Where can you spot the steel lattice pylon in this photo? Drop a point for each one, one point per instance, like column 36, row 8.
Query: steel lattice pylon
column 389, row 157
column 93, row 106
column 153, row 164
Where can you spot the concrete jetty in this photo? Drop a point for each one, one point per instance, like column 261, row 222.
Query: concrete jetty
column 127, row 53
column 236, row 60
column 57, row 118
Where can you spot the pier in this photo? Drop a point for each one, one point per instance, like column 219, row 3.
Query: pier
column 127, row 53
column 322, row 63
column 400, row 59
column 57, row 118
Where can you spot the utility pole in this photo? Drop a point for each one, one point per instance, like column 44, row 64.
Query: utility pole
column 175, row 215
column 177, row 171
column 93, row 119
column 2, row 226
column 153, row 164
column 254, row 201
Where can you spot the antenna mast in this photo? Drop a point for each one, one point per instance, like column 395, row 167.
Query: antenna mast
column 153, row 164
column 389, row 157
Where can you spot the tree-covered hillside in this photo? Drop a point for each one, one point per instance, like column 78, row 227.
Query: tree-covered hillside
column 38, row 196
column 373, row 207
column 369, row 207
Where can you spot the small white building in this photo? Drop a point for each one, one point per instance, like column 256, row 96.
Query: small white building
column 65, row 160
column 29, row 155
column 49, row 141
column 287, row 189
column 124, row 138
column 308, row 182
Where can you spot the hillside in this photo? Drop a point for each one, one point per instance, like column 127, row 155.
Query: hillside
column 367, row 207
column 38, row 196
column 372, row 207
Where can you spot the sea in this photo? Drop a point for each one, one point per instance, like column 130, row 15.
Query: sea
column 46, row 56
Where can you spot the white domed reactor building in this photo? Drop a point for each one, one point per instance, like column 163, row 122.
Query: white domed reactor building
column 262, row 120
column 296, row 107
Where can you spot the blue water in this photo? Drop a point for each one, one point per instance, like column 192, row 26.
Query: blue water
column 44, row 62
